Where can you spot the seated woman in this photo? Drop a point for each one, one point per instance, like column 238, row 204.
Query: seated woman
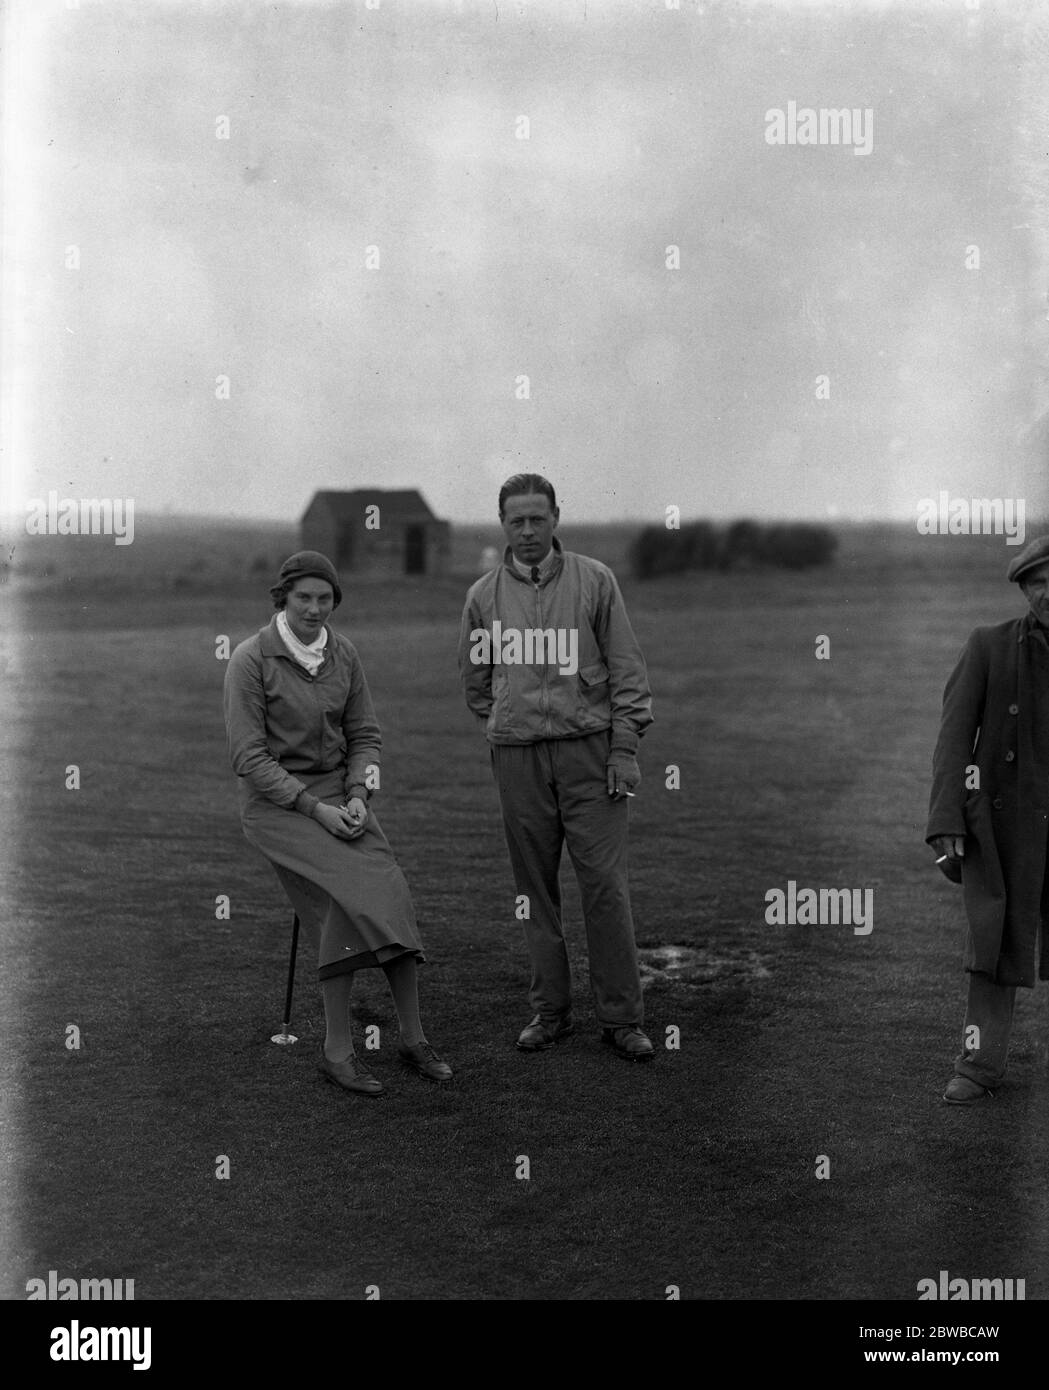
column 302, row 736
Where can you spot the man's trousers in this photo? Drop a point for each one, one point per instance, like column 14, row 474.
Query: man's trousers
column 989, row 1010
column 553, row 793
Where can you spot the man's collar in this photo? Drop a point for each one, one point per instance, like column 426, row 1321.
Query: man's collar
column 550, row 561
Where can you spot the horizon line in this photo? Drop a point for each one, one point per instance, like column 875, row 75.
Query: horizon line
column 230, row 519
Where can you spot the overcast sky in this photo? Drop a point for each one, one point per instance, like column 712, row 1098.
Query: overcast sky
column 500, row 257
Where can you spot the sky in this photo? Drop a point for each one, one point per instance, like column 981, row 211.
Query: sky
column 193, row 317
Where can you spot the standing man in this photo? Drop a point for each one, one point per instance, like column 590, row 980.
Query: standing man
column 553, row 671
column 989, row 818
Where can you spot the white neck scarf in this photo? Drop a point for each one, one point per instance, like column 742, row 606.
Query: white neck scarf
column 309, row 656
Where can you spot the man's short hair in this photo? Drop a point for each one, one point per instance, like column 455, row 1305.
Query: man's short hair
column 521, row 484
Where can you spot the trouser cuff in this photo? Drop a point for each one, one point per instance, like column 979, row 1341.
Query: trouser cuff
column 979, row 1072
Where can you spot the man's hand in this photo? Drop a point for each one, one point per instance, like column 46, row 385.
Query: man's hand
column 953, row 846
column 623, row 775
column 345, row 822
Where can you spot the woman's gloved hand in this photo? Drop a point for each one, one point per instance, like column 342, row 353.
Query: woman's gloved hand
column 346, row 822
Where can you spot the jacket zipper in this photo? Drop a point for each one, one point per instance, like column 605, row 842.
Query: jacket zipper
column 543, row 679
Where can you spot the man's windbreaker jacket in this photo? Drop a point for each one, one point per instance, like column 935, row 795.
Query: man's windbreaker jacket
column 557, row 659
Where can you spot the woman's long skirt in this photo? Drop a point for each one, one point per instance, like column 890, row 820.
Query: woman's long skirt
column 353, row 889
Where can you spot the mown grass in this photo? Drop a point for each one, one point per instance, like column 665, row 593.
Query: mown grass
column 699, row 1171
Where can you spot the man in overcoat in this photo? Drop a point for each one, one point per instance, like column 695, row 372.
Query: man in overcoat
column 989, row 818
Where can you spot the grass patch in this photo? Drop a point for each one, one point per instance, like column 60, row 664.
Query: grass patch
column 698, row 1171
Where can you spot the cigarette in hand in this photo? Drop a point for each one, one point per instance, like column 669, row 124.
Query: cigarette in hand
column 941, row 858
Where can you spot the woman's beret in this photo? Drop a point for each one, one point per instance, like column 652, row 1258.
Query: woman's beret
column 310, row 563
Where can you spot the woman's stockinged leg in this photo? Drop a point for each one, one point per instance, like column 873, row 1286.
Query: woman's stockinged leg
column 338, row 1041
column 402, row 977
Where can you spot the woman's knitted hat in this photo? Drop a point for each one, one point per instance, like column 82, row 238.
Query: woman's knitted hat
column 310, row 563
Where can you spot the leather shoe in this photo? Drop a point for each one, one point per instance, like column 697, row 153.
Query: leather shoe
column 423, row 1059
column 630, row 1043
column 962, row 1091
column 539, row 1035
column 350, row 1075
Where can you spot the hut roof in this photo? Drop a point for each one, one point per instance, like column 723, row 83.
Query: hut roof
column 406, row 504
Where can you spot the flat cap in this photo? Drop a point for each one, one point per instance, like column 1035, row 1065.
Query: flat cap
column 1037, row 553
column 314, row 564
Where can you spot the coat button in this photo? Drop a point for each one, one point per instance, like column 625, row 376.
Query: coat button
column 1010, row 756
column 1014, row 709
column 997, row 803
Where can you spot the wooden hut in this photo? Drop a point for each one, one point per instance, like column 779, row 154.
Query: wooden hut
column 371, row 531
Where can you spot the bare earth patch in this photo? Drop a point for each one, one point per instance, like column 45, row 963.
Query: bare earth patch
column 696, row 966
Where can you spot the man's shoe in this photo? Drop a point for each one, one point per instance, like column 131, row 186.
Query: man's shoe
column 539, row 1035
column 351, row 1076
column 961, row 1091
column 423, row 1059
column 630, row 1043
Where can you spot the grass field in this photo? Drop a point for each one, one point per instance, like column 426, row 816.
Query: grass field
column 697, row 1172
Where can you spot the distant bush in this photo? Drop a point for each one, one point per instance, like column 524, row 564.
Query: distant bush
column 649, row 553
column 796, row 547
column 700, row 545
column 744, row 546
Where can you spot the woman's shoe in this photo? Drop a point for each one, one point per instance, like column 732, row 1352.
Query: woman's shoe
column 351, row 1076
column 423, row 1059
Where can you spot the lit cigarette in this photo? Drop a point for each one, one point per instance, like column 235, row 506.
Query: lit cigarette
column 941, row 858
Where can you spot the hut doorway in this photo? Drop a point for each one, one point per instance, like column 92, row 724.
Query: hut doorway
column 415, row 550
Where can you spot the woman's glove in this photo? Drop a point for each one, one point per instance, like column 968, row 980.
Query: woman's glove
column 345, row 822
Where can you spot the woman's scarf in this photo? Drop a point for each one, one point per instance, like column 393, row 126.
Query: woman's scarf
column 309, row 656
